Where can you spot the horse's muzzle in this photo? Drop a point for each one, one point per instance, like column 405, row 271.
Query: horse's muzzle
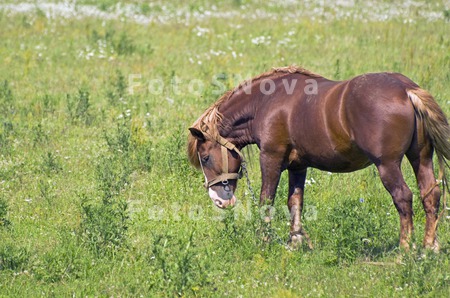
column 222, row 197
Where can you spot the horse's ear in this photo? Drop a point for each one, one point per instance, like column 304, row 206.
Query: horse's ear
column 198, row 134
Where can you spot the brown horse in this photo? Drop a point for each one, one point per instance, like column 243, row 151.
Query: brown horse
column 299, row 119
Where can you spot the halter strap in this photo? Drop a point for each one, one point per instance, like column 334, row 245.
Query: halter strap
column 224, row 152
column 225, row 175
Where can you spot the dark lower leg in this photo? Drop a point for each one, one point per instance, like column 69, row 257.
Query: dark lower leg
column 430, row 193
column 295, row 199
column 270, row 172
column 420, row 156
column 295, row 205
column 392, row 179
column 430, row 200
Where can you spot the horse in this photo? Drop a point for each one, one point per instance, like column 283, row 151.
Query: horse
column 299, row 119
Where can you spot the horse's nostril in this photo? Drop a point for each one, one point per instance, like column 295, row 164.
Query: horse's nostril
column 218, row 203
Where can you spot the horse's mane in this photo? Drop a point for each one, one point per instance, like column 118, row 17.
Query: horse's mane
column 211, row 119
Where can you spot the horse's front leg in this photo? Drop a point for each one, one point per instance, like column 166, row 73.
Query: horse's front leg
column 295, row 205
column 271, row 167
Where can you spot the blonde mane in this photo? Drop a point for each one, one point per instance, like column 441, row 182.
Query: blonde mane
column 211, row 119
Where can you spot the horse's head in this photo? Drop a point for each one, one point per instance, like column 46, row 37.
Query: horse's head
column 220, row 162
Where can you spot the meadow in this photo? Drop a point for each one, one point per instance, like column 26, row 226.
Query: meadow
column 97, row 198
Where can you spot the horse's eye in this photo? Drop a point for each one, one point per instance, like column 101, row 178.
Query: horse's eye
column 205, row 159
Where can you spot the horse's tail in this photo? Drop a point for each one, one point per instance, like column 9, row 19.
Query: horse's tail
column 434, row 120
column 437, row 128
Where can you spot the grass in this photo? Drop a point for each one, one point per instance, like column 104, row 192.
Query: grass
column 96, row 194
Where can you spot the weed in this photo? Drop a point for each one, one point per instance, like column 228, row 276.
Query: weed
column 6, row 99
column 113, row 175
column 177, row 260
column 78, row 107
column 5, row 138
column 49, row 104
column 46, row 190
column 143, row 158
column 355, row 230
column 447, row 14
column 230, row 230
column 13, row 257
column 337, row 72
column 145, row 8
column 418, row 276
column 174, row 148
column 119, row 141
column 66, row 261
column 237, row 2
column 129, row 141
column 107, row 36
column 118, row 89
column 4, row 213
column 124, row 46
column 39, row 136
column 139, row 135
column 107, row 42
column 51, row 163
column 104, row 225
column 106, row 5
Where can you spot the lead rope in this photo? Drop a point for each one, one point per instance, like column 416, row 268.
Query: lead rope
column 442, row 178
column 249, row 185
column 271, row 232
column 445, row 189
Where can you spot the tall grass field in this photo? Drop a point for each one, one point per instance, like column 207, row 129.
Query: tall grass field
column 98, row 199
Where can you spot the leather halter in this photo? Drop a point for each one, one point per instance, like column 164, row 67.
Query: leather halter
column 225, row 175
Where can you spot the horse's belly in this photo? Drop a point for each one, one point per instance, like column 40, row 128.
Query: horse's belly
column 331, row 161
column 341, row 165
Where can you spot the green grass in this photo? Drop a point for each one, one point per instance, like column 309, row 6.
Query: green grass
column 96, row 194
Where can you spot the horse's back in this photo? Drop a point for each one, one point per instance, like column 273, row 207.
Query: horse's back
column 345, row 126
column 357, row 122
column 380, row 117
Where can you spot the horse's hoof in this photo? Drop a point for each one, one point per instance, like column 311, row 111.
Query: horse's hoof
column 295, row 241
column 434, row 247
column 266, row 239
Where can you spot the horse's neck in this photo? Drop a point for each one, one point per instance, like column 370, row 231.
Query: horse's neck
column 238, row 114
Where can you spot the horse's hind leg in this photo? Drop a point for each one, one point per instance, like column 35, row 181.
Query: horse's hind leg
column 422, row 163
column 393, row 181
